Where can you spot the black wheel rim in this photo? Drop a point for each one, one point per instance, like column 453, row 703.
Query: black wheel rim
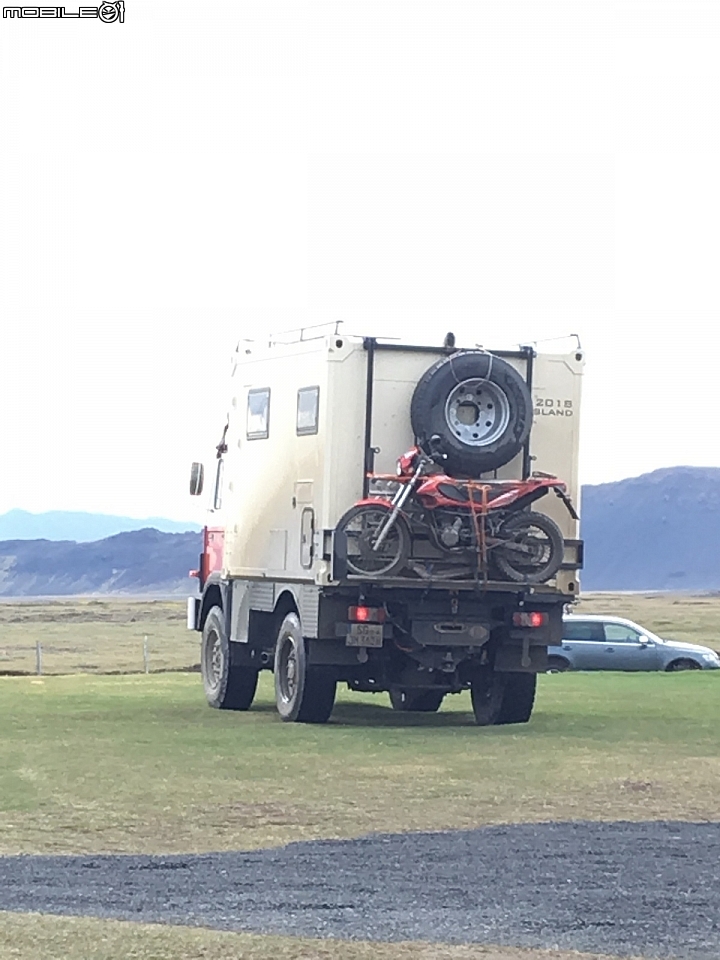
column 213, row 659
column 362, row 532
column 529, row 550
column 287, row 669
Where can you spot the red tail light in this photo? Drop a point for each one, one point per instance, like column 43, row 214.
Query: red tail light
column 533, row 619
column 366, row 614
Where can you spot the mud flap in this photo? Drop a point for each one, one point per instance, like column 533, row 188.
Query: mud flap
column 339, row 568
column 521, row 656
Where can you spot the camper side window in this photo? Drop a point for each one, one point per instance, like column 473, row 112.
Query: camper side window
column 258, row 414
column 307, row 411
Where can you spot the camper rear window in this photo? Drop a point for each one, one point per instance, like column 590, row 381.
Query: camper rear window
column 307, row 411
column 258, row 414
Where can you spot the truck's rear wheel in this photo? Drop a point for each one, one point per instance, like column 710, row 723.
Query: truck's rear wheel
column 518, row 698
column 487, row 689
column 227, row 686
column 419, row 701
column 303, row 693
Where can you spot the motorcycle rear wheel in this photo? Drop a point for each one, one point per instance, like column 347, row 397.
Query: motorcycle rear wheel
column 362, row 525
column 532, row 549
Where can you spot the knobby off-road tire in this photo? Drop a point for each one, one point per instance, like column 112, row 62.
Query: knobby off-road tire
column 479, row 406
column 500, row 698
column 361, row 525
column 487, row 690
column 533, row 551
column 518, row 698
column 303, row 693
column 227, row 686
column 418, row 701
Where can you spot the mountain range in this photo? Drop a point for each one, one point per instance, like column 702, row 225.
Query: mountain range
column 81, row 527
column 137, row 562
column 660, row 531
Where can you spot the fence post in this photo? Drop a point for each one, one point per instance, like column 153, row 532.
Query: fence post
column 38, row 658
column 146, row 657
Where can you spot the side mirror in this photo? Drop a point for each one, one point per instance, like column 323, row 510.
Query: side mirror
column 197, row 479
column 645, row 641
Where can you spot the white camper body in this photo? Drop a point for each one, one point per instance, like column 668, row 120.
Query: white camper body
column 287, row 481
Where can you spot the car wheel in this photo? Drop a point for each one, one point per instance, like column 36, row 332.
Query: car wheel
column 557, row 665
column 480, row 407
column 682, row 665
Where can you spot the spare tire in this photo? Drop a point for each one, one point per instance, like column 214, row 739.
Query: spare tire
column 480, row 407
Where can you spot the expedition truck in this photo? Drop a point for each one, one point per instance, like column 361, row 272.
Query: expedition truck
column 316, row 568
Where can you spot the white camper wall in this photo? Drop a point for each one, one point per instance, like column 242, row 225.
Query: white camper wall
column 270, row 482
column 555, row 436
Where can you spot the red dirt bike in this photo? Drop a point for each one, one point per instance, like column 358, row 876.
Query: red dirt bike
column 486, row 524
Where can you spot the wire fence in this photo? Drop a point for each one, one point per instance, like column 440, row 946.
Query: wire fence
column 55, row 659
column 113, row 637
column 51, row 659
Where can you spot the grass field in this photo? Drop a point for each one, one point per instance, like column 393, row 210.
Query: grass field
column 139, row 763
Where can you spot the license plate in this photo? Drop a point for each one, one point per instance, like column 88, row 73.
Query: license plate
column 365, row 635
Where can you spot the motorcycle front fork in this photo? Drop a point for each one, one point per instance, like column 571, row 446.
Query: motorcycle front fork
column 398, row 502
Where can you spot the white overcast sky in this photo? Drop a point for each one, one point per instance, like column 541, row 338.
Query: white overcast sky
column 205, row 172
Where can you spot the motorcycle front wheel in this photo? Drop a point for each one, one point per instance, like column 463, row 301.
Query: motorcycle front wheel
column 531, row 548
column 362, row 526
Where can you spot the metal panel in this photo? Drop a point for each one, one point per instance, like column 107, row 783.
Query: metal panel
column 240, row 610
column 262, row 596
column 277, row 550
column 308, row 598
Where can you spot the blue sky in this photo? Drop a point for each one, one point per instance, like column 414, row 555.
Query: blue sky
column 513, row 171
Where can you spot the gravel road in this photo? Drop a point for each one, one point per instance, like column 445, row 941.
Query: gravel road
column 623, row 888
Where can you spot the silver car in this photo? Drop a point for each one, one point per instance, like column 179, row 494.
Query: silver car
column 611, row 643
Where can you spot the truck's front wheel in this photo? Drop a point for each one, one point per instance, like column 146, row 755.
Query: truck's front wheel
column 303, row 693
column 227, row 686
